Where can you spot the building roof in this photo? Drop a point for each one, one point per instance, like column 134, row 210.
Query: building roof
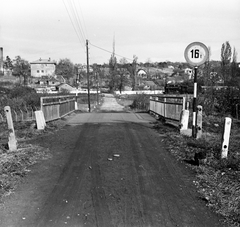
column 43, row 61
column 149, row 83
column 141, row 71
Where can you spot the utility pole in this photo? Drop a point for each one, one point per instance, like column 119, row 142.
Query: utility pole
column 89, row 102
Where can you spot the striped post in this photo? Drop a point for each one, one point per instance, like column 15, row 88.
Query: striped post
column 199, row 122
column 226, row 137
column 194, row 123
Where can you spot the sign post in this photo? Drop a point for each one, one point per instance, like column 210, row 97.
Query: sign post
column 196, row 54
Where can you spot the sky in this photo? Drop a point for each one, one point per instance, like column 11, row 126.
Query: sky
column 153, row 30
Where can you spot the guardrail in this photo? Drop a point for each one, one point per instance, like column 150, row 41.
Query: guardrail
column 55, row 107
column 168, row 107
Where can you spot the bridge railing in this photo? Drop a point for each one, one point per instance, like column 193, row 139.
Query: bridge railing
column 55, row 107
column 169, row 107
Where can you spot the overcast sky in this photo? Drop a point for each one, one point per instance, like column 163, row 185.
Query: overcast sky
column 153, row 30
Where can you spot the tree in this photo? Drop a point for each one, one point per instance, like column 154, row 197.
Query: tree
column 21, row 68
column 133, row 70
column 8, row 64
column 226, row 53
column 112, row 72
column 234, row 65
column 65, row 68
column 122, row 76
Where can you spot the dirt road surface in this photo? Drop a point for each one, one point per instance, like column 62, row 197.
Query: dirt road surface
column 107, row 169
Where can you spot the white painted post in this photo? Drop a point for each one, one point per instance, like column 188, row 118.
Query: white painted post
column 199, row 122
column 41, row 123
column 76, row 104
column 165, row 107
column 184, row 103
column 226, row 137
column 12, row 142
column 184, row 117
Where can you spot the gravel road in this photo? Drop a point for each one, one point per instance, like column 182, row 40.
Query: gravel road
column 107, row 169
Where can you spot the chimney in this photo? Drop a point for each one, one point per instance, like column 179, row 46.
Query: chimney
column 1, row 61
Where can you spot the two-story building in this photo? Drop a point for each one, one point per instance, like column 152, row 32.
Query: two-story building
column 43, row 67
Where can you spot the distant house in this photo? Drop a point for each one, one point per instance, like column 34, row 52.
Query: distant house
column 43, row 67
column 175, row 79
column 141, row 73
column 150, row 85
column 64, row 87
column 48, row 80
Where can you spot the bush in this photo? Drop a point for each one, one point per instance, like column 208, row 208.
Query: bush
column 140, row 101
column 20, row 97
column 20, row 91
column 222, row 101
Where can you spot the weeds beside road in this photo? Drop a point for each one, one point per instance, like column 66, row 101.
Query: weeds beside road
column 15, row 165
column 218, row 181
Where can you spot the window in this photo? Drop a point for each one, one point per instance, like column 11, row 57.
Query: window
column 37, row 71
column 42, row 71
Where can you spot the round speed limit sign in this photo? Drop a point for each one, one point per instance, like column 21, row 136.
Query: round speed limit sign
column 196, row 54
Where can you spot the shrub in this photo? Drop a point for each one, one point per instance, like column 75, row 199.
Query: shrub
column 141, row 101
column 20, row 91
column 20, row 97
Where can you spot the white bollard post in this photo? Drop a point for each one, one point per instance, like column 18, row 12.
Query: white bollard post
column 199, row 122
column 41, row 123
column 76, row 104
column 12, row 142
column 184, row 117
column 226, row 137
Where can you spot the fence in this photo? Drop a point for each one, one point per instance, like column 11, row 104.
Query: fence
column 55, row 107
column 23, row 114
column 169, row 107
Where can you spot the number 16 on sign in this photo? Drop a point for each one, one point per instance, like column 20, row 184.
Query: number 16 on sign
column 195, row 54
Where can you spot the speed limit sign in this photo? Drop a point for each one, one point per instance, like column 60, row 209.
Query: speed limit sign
column 196, row 54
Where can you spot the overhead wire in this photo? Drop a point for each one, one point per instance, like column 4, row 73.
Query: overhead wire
column 76, row 18
column 79, row 27
column 82, row 18
column 81, row 39
column 109, row 51
column 80, row 23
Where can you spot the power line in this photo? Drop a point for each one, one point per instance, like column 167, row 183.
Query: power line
column 109, row 51
column 76, row 18
column 82, row 18
column 73, row 24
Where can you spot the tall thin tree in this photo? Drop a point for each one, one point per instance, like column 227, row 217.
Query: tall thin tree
column 226, row 54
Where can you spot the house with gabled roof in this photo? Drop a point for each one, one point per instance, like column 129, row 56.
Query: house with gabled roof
column 142, row 73
column 43, row 67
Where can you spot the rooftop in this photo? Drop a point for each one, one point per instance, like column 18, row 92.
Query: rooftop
column 43, row 61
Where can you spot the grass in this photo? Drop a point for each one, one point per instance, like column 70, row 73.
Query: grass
column 218, row 181
column 15, row 165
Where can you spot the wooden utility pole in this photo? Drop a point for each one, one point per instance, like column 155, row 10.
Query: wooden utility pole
column 89, row 102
